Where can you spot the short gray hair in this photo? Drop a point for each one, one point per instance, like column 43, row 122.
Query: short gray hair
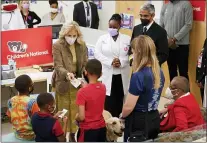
column 149, row 7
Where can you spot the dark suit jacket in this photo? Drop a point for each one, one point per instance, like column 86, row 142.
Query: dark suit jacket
column 202, row 72
column 80, row 17
column 183, row 114
column 159, row 36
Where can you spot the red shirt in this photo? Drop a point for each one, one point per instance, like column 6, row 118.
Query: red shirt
column 183, row 114
column 92, row 97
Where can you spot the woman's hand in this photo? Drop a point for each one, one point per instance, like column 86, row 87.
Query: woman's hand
column 116, row 63
column 83, row 84
column 70, row 76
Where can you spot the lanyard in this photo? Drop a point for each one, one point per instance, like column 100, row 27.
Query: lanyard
column 25, row 19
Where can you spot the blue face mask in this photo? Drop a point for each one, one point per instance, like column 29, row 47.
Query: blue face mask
column 113, row 32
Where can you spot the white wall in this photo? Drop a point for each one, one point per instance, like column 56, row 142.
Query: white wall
column 108, row 8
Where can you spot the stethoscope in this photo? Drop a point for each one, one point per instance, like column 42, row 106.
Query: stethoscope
column 6, row 26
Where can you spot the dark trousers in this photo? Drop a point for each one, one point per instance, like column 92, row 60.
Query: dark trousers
column 202, row 94
column 114, row 102
column 178, row 58
column 139, row 124
column 94, row 135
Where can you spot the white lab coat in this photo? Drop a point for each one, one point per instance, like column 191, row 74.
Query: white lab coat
column 14, row 19
column 59, row 19
column 104, row 54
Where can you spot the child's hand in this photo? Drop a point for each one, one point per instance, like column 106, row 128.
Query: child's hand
column 83, row 84
column 65, row 119
column 57, row 114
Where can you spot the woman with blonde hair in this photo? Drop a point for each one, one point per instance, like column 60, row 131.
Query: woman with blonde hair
column 30, row 18
column 147, row 81
column 70, row 57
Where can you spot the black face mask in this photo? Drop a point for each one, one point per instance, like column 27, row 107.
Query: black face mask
column 145, row 22
column 85, row 77
column 85, row 0
column 31, row 89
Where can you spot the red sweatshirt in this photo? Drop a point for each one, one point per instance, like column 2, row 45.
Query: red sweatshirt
column 183, row 114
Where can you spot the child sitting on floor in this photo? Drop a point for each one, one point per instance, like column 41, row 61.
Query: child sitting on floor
column 90, row 101
column 21, row 107
column 47, row 127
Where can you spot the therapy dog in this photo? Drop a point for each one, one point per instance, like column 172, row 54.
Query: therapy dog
column 114, row 126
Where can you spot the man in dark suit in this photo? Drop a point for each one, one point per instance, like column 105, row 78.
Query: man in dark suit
column 149, row 27
column 201, row 69
column 86, row 14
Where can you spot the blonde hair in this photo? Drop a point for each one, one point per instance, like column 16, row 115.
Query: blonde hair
column 20, row 3
column 144, row 52
column 69, row 26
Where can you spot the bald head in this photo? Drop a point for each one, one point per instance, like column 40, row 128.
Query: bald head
column 181, row 83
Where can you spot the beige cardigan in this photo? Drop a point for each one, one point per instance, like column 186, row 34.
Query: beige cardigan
column 63, row 62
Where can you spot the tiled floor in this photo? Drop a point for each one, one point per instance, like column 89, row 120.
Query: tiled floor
column 7, row 128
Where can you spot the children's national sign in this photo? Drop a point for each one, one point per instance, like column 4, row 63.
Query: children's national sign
column 27, row 46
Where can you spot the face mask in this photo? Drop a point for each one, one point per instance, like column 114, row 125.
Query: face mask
column 113, row 32
column 31, row 89
column 145, row 22
column 70, row 40
column 168, row 93
column 54, row 10
column 172, row 1
column 85, row 77
column 25, row 5
column 85, row 0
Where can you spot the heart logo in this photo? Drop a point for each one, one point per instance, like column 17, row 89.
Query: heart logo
column 126, row 49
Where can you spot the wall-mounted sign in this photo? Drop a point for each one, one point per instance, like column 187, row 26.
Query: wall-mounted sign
column 127, row 21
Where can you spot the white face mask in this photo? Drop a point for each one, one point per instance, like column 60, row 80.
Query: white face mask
column 70, row 40
column 168, row 93
column 53, row 10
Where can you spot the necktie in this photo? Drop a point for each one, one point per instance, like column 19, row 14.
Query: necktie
column 144, row 30
column 88, row 14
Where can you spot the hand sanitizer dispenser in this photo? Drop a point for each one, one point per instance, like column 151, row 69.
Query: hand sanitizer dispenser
column 8, row 71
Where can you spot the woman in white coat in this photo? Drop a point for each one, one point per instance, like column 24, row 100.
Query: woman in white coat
column 53, row 17
column 111, row 50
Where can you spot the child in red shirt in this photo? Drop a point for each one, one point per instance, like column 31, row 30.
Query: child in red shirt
column 90, row 100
